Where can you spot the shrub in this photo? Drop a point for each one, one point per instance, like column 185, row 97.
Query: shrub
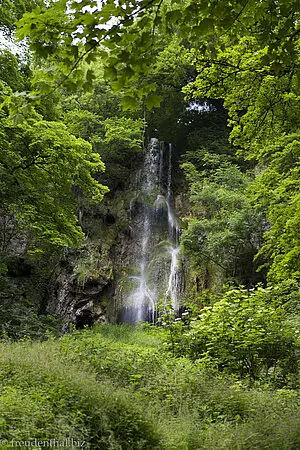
column 246, row 332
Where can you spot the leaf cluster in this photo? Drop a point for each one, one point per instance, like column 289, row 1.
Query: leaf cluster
column 224, row 229
column 246, row 332
column 42, row 165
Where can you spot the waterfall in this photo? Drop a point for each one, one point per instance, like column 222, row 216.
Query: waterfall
column 161, row 165
column 169, row 187
column 156, row 258
column 174, row 233
column 174, row 279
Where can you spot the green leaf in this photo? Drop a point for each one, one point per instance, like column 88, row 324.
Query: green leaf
column 276, row 67
column 174, row 16
column 153, row 101
column 90, row 75
column 206, row 25
column 91, row 57
column 129, row 102
column 110, row 73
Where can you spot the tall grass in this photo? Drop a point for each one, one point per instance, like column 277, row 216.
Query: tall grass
column 115, row 387
column 45, row 395
column 140, row 335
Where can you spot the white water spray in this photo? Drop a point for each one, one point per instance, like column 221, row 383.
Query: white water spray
column 141, row 301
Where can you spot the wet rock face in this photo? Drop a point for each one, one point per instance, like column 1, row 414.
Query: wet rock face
column 132, row 257
column 149, row 255
column 79, row 305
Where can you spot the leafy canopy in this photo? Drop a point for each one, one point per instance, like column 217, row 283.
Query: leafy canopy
column 245, row 52
column 12, row 10
column 224, row 230
column 40, row 163
column 44, row 170
column 122, row 35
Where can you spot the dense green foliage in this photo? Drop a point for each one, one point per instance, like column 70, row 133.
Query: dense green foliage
column 98, row 118
column 225, row 229
column 100, row 81
column 244, row 332
column 115, row 387
column 31, row 154
column 32, row 151
column 126, row 43
column 276, row 193
column 244, row 53
column 11, row 11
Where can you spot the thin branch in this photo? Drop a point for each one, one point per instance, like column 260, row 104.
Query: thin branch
column 217, row 62
column 156, row 15
column 220, row 81
column 296, row 32
column 96, row 43
column 238, row 14
column 213, row 260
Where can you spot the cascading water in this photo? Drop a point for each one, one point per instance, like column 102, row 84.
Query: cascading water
column 174, row 232
column 157, row 232
column 169, row 186
column 174, row 278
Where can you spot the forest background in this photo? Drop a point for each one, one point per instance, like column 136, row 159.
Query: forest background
column 86, row 90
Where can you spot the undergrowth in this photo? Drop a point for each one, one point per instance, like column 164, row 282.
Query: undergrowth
column 118, row 387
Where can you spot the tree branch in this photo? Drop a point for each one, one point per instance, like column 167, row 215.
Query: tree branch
column 96, row 43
